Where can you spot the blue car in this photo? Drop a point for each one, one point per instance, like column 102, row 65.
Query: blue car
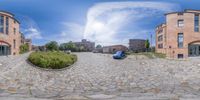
column 119, row 55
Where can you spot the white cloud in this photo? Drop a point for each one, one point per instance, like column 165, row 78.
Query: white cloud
column 71, row 32
column 32, row 33
column 106, row 20
column 29, row 27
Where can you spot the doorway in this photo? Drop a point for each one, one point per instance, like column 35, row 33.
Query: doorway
column 194, row 50
column 4, row 50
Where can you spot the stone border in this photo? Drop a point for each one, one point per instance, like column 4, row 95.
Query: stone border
column 45, row 69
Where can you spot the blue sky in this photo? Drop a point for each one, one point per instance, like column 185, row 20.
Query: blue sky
column 106, row 22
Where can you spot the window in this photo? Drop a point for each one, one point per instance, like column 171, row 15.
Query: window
column 1, row 24
column 14, row 29
column 14, row 44
column 180, row 23
column 160, row 46
column 180, row 40
column 160, row 38
column 160, row 31
column 180, row 13
column 180, row 56
column 196, row 23
column 7, row 25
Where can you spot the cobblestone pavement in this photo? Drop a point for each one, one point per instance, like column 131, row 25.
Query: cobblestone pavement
column 98, row 76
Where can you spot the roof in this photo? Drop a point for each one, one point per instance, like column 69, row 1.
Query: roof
column 190, row 10
column 7, row 12
column 160, row 25
column 113, row 46
column 10, row 14
column 28, row 40
column 185, row 11
column 138, row 39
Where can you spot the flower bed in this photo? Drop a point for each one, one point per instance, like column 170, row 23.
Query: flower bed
column 52, row 60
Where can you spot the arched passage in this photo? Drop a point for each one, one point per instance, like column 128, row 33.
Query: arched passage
column 194, row 48
column 5, row 48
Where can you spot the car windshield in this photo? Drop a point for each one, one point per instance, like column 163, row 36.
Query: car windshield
column 118, row 52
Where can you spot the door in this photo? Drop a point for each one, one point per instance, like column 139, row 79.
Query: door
column 194, row 50
column 4, row 50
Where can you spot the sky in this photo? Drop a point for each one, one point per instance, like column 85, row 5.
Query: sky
column 106, row 22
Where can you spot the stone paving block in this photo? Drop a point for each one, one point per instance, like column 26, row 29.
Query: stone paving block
column 99, row 75
column 100, row 96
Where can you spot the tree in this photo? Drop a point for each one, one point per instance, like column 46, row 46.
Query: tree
column 63, row 46
column 147, row 44
column 98, row 46
column 24, row 48
column 71, row 46
column 52, row 46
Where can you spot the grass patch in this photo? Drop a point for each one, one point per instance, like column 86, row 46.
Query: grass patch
column 150, row 55
column 160, row 55
column 52, row 60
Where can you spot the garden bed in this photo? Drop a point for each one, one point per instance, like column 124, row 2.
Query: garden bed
column 52, row 60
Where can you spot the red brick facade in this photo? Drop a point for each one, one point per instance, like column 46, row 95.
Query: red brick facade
column 114, row 48
column 10, row 36
column 177, row 36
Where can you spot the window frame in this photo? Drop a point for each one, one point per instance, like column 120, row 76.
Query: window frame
column 14, row 43
column 7, row 25
column 14, row 30
column 2, row 23
column 180, row 37
column 160, row 46
column 196, row 23
column 180, row 24
column 160, row 38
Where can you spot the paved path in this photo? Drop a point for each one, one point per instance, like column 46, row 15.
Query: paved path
column 98, row 76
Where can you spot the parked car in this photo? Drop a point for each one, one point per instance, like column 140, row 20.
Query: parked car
column 119, row 55
column 95, row 51
column 68, row 51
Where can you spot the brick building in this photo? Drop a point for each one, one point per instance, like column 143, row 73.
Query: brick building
column 29, row 42
column 179, row 37
column 86, row 45
column 10, row 36
column 114, row 48
column 137, row 45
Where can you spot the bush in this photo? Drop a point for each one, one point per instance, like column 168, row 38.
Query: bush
column 52, row 60
column 24, row 48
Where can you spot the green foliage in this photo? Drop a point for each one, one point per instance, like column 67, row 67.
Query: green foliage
column 52, row 60
column 52, row 46
column 24, row 48
column 147, row 44
column 160, row 55
column 71, row 46
column 63, row 46
column 98, row 46
column 150, row 55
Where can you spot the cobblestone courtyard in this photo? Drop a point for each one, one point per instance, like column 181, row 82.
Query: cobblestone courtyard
column 98, row 76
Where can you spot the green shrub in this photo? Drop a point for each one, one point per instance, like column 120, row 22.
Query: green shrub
column 52, row 60
column 24, row 48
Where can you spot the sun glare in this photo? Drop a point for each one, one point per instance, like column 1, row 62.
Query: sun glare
column 98, row 26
